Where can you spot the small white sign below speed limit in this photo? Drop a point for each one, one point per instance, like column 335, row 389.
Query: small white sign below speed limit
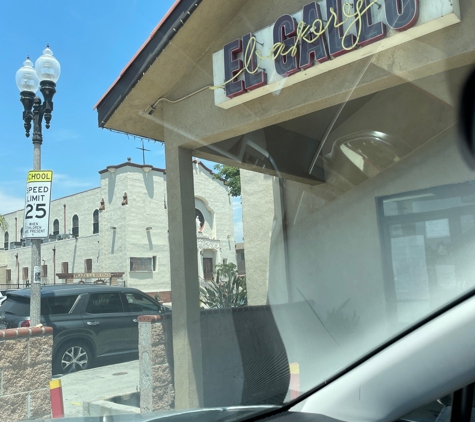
column 37, row 204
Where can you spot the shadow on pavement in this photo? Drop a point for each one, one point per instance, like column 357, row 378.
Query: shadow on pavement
column 112, row 360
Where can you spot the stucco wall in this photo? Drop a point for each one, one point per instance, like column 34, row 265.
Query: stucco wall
column 125, row 226
column 82, row 205
column 214, row 195
column 258, row 217
column 334, row 242
column 74, row 251
column 138, row 229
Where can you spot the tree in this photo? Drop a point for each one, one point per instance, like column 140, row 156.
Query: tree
column 231, row 176
column 226, row 290
column 3, row 223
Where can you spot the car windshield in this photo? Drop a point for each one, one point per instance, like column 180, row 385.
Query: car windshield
column 280, row 193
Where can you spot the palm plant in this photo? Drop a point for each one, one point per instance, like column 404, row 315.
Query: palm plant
column 226, row 290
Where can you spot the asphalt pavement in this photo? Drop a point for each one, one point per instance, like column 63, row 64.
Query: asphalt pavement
column 99, row 383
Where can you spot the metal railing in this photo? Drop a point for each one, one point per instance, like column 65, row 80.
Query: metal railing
column 26, row 284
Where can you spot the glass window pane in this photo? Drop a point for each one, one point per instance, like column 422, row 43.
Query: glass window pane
column 141, row 303
column 104, row 303
column 141, row 264
column 17, row 305
column 428, row 235
column 58, row 304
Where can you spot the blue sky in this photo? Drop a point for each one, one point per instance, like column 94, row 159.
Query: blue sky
column 93, row 41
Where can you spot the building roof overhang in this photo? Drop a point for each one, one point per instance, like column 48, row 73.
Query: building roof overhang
column 158, row 40
column 164, row 59
column 146, row 100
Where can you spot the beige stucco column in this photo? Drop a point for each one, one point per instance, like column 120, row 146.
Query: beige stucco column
column 188, row 371
column 258, row 218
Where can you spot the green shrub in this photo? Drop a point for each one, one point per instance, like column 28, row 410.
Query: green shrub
column 226, row 290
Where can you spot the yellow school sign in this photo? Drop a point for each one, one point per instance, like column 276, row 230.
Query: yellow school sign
column 37, row 204
column 40, row 176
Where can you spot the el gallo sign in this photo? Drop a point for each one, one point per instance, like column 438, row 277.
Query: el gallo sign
column 322, row 36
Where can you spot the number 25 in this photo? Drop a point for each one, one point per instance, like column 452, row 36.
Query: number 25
column 40, row 208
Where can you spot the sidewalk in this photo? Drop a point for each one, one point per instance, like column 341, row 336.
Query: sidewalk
column 98, row 383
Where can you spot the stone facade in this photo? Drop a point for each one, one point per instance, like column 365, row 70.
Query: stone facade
column 156, row 385
column 130, row 234
column 25, row 371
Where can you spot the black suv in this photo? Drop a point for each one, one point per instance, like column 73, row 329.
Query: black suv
column 89, row 321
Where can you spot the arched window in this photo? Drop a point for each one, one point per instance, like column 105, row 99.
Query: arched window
column 95, row 222
column 56, row 227
column 75, row 225
column 6, row 240
column 200, row 220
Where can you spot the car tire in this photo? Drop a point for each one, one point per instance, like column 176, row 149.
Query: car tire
column 72, row 357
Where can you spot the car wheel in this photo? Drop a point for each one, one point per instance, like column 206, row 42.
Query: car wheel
column 72, row 357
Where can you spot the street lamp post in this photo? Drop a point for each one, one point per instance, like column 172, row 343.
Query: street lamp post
column 44, row 75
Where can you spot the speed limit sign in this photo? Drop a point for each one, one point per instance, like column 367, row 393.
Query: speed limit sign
column 37, row 204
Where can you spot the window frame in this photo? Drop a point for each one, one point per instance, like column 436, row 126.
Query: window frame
column 65, row 267
column 45, row 303
column 88, row 265
column 384, row 223
column 95, row 222
column 75, row 225
column 139, row 264
column 55, row 227
column 145, row 298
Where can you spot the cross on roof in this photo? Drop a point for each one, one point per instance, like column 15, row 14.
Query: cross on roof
column 143, row 152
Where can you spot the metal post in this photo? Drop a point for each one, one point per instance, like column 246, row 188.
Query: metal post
column 35, row 297
column 34, row 111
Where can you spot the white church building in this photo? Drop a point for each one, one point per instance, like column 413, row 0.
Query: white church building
column 118, row 232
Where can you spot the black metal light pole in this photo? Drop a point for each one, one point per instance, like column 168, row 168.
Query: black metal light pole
column 45, row 74
column 35, row 110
